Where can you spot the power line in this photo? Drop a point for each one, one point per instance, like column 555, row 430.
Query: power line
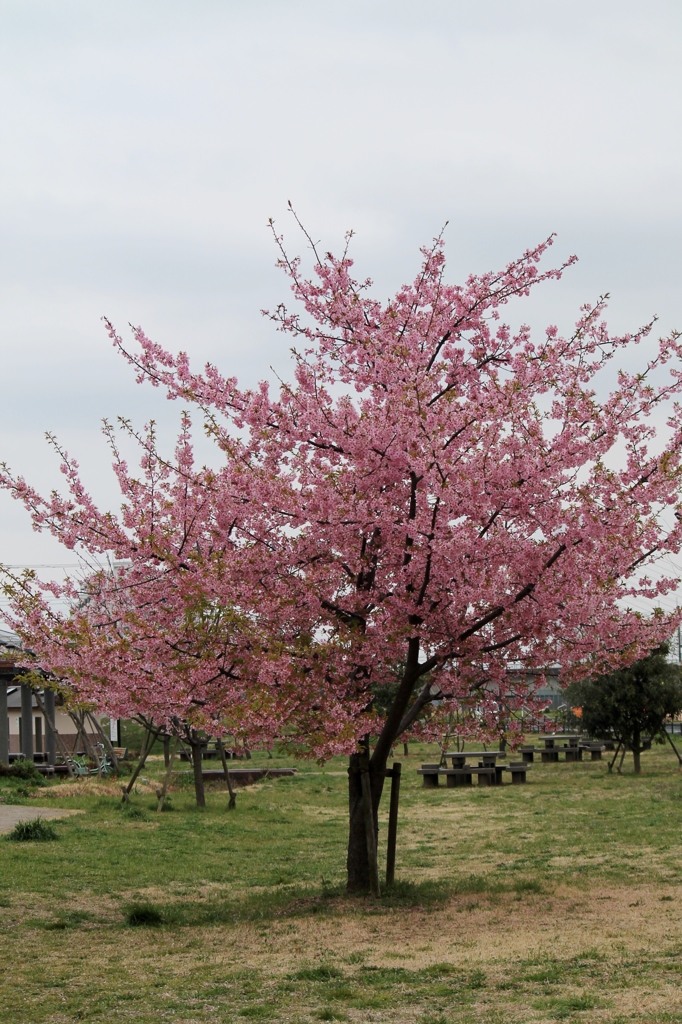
column 44, row 565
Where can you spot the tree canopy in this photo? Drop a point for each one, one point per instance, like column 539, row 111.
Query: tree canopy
column 631, row 704
column 429, row 489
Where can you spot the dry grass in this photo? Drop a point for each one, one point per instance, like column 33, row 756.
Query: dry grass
column 555, row 901
column 602, row 955
column 91, row 787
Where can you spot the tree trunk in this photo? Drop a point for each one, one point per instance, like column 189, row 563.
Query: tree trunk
column 357, row 864
column 147, row 744
column 198, row 768
column 161, row 793
column 636, row 750
column 398, row 720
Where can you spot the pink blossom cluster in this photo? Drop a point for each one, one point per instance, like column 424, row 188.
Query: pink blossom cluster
column 432, row 498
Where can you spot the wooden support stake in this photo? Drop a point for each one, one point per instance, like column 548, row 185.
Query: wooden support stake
column 106, row 742
column 161, row 793
column 4, row 725
column 393, row 823
column 611, row 763
column 79, row 718
column 226, row 771
column 677, row 753
column 148, row 743
column 370, row 833
column 26, row 722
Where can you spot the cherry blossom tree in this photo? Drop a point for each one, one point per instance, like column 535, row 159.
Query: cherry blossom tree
column 139, row 640
column 430, row 490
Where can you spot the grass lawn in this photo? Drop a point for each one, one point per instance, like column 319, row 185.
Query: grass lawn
column 555, row 900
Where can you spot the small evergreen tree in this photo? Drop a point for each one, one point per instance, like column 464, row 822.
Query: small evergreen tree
column 630, row 705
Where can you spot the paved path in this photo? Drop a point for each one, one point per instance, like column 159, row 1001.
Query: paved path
column 10, row 814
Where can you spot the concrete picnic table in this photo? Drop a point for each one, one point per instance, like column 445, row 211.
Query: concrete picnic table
column 572, row 737
column 573, row 748
column 488, row 771
column 486, row 757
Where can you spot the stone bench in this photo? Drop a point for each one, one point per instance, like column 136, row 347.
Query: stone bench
column 518, row 770
column 488, row 775
column 594, row 750
column 429, row 772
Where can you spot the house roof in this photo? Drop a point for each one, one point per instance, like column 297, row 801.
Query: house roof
column 10, row 640
column 14, row 698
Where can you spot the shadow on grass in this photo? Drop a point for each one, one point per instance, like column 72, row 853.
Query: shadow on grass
column 298, row 901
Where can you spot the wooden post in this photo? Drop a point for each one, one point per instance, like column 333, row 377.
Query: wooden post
column 52, row 729
column 106, row 742
column 4, row 725
column 27, row 721
column 370, row 833
column 393, row 823
column 49, row 716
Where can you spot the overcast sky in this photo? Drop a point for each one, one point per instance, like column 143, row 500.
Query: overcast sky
column 144, row 145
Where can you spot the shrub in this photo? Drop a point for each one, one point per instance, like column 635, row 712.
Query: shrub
column 134, row 813
column 323, row 973
column 34, row 831
column 22, row 769
column 143, row 915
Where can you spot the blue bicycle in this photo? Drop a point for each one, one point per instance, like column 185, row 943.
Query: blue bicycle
column 80, row 768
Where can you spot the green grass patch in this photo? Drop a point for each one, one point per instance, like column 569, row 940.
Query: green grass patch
column 146, row 915
column 275, row 867
column 37, row 830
